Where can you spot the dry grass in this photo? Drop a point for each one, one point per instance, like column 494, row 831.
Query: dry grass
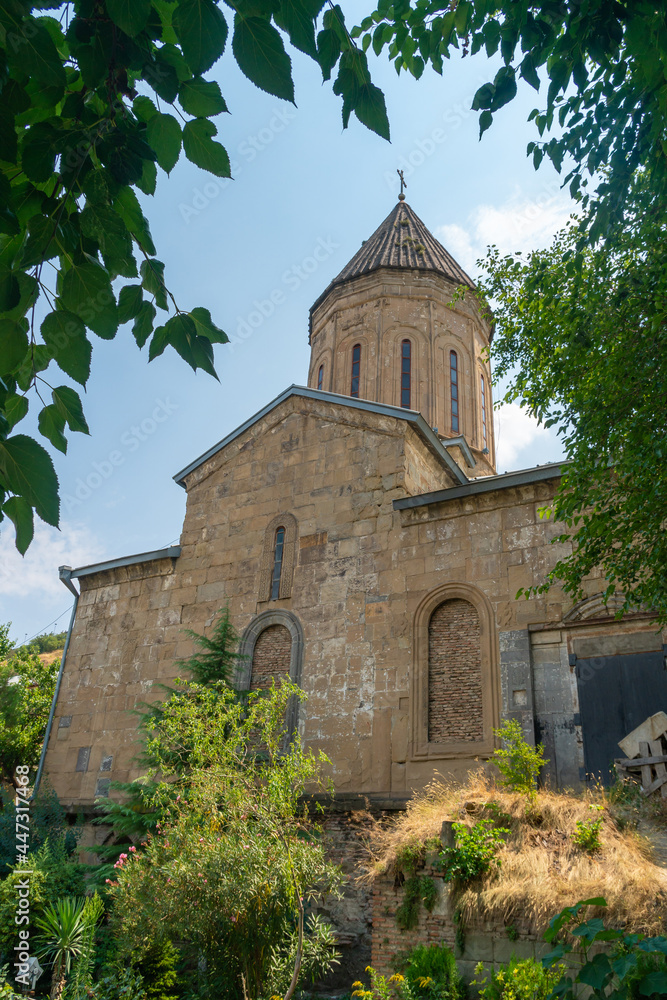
column 541, row 870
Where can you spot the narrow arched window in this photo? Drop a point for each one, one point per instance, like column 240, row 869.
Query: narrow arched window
column 277, row 563
column 454, row 391
column 320, row 377
column 483, row 401
column 406, row 373
column 356, row 368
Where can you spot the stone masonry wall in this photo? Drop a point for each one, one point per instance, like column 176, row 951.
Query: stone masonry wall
column 454, row 674
column 484, row 941
column 271, row 657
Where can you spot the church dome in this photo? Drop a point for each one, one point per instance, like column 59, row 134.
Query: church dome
column 393, row 328
column 401, row 241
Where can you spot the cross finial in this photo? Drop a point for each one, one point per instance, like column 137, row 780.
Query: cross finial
column 404, row 184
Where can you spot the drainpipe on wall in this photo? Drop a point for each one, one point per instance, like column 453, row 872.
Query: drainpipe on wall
column 65, row 575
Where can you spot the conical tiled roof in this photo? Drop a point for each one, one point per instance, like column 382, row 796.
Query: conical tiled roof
column 402, row 241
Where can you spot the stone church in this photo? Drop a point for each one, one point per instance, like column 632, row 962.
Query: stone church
column 365, row 544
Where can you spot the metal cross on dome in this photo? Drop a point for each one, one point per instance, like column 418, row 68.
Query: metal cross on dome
column 404, row 184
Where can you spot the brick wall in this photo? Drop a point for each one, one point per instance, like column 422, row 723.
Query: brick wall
column 271, row 657
column 454, row 674
column 484, row 941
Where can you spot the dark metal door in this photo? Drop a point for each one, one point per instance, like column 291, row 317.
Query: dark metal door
column 616, row 694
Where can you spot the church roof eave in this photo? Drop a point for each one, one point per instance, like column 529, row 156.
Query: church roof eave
column 410, row 416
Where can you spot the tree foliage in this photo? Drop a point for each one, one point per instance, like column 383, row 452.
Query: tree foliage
column 231, row 873
column 604, row 65
column 94, row 98
column 26, row 691
column 582, row 339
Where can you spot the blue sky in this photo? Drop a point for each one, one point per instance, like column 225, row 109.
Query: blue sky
column 301, row 182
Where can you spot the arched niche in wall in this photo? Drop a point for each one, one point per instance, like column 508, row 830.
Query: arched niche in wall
column 289, row 523
column 324, row 360
column 455, row 685
column 272, row 647
column 595, row 607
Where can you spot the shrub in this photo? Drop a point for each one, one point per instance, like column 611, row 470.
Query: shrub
column 635, row 967
column 587, row 835
column 418, row 890
column 157, row 967
column 517, row 761
column 475, row 852
column 431, row 973
column 523, row 979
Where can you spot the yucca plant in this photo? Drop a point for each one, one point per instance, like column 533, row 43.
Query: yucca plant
column 62, row 936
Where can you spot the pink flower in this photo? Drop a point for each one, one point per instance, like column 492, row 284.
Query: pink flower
column 133, row 848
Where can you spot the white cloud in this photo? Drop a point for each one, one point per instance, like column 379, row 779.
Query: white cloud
column 519, row 224
column 36, row 574
column 521, row 442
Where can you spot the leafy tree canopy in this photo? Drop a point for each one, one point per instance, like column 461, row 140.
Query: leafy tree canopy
column 95, row 96
column 26, row 691
column 605, row 64
column 582, row 339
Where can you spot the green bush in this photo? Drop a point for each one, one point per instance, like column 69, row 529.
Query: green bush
column 519, row 979
column 587, row 834
column 632, row 967
column 431, row 973
column 157, row 968
column 517, row 761
column 475, row 853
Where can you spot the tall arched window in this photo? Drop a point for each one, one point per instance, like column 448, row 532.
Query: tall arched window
column 483, row 401
column 406, row 373
column 277, row 563
column 356, row 368
column 454, row 391
column 320, row 377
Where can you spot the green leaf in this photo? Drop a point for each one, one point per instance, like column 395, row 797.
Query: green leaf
column 130, row 299
column 202, row 150
column 27, row 470
column 65, row 334
column 144, row 108
column 130, row 15
column 36, row 360
column 162, row 77
column 260, row 53
column 86, row 291
column 371, row 110
column 13, row 345
column 164, row 137
column 8, row 138
column 654, row 982
column 485, row 120
column 143, row 324
column 152, row 279
column 180, row 331
column 202, row 31
column 328, row 51
column 15, row 410
column 51, row 424
column 201, row 98
column 595, row 972
column 69, row 406
column 148, row 181
column 10, row 292
column 32, row 52
column 41, row 243
column 19, row 511
column 205, row 326
column 297, row 18
column 127, row 206
column 38, row 152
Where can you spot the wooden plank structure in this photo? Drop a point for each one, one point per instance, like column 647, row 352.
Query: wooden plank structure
column 650, row 767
